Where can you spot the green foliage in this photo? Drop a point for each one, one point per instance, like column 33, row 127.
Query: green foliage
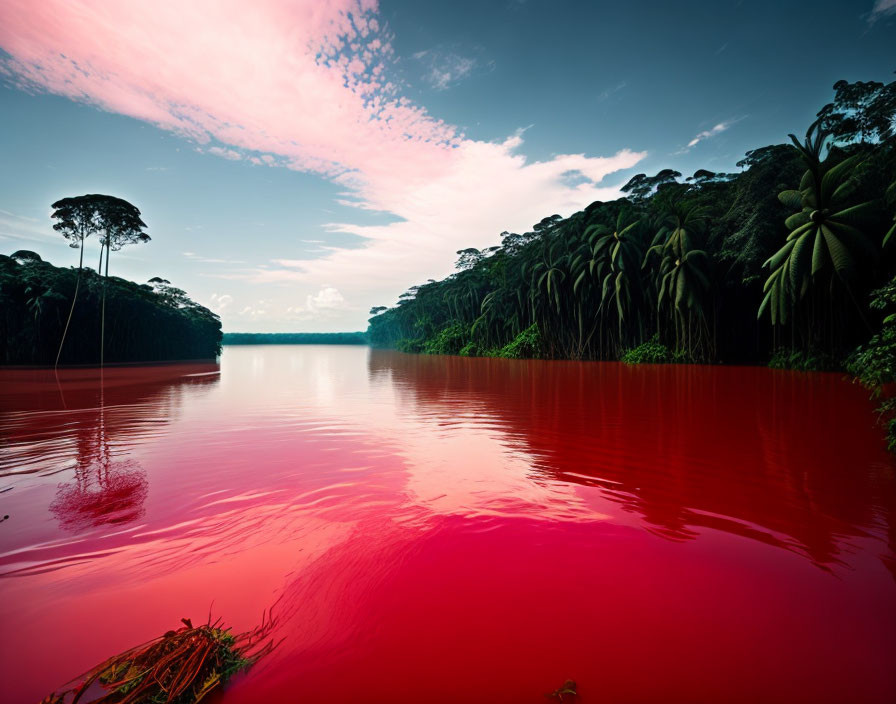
column 751, row 228
column 803, row 360
column 143, row 323
column 651, row 352
column 410, row 346
column 862, row 111
column 527, row 345
column 449, row 340
column 825, row 239
column 681, row 260
column 888, row 408
column 874, row 364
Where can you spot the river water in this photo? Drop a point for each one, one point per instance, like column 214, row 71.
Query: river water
column 440, row 529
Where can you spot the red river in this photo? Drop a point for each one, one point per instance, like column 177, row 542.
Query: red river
column 439, row 529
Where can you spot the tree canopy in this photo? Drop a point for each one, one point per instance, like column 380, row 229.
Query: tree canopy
column 770, row 262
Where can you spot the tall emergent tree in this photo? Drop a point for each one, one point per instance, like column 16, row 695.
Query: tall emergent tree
column 121, row 225
column 77, row 220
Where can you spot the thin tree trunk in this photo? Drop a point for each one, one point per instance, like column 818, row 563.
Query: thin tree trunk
column 99, row 272
column 74, row 299
column 103, row 316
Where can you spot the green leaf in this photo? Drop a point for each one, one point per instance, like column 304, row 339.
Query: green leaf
column 774, row 261
column 792, row 199
column 680, row 288
column 818, row 253
column 799, row 261
column 855, row 214
column 836, row 174
column 853, row 238
column 807, row 182
column 840, row 256
column 796, row 220
column 889, row 236
column 800, row 231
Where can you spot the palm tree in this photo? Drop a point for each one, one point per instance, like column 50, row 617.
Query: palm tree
column 825, row 244
column 683, row 275
column 616, row 254
column 684, row 282
column 547, row 276
column 76, row 222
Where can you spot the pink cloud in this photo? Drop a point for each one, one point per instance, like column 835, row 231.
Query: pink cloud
column 302, row 84
column 280, row 78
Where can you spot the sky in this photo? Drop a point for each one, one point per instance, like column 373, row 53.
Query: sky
column 298, row 162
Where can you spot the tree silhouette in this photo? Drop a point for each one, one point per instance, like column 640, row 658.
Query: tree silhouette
column 121, row 225
column 77, row 220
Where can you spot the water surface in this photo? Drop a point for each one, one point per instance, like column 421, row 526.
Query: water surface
column 454, row 530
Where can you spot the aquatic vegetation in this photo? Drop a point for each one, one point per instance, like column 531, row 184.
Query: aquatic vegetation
column 181, row 667
column 568, row 689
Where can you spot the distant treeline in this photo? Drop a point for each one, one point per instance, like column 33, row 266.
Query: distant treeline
column 295, row 338
column 143, row 322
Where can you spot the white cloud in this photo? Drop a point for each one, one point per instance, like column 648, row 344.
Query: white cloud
column 220, row 303
column 881, row 8
column 446, row 69
column 211, row 260
column 608, row 92
column 231, row 154
column 489, row 188
column 305, row 85
column 327, row 298
column 21, row 227
column 706, row 134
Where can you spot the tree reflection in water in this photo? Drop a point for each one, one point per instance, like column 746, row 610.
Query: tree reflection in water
column 785, row 458
column 106, row 492
column 88, row 421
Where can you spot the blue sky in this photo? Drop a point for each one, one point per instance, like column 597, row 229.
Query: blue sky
column 292, row 192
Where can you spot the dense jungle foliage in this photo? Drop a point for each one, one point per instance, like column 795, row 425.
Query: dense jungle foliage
column 874, row 364
column 144, row 322
column 295, row 338
column 774, row 263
